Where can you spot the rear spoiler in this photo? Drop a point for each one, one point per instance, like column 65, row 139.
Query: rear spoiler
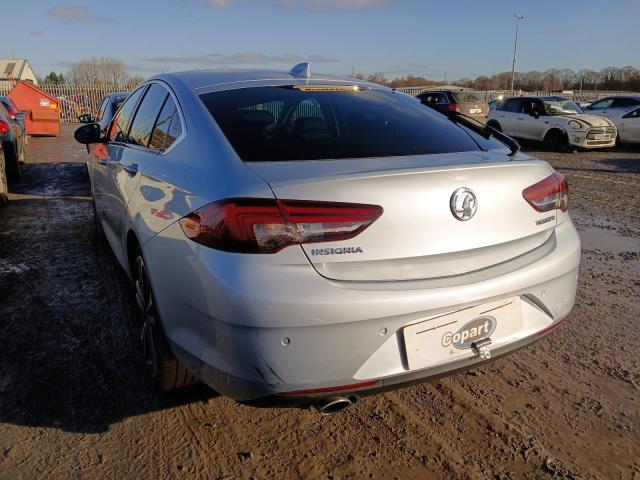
column 472, row 124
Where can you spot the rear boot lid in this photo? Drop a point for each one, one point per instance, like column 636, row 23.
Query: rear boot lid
column 419, row 234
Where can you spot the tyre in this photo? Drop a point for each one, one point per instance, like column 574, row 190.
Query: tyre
column 495, row 125
column 12, row 167
column 556, row 141
column 4, row 185
column 162, row 366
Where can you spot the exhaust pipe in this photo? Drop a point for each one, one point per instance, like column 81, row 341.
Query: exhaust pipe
column 331, row 406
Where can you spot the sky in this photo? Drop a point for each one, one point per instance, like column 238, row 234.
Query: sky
column 438, row 40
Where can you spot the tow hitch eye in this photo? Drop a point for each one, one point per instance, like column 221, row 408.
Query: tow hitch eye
column 481, row 348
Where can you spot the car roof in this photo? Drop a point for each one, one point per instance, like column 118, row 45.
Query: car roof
column 201, row 80
column 633, row 97
column 116, row 96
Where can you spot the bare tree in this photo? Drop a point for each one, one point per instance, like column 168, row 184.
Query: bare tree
column 107, row 70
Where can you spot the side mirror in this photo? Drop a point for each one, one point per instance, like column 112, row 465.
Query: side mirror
column 87, row 134
column 85, row 118
column 534, row 114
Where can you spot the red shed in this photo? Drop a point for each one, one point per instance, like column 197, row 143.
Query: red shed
column 44, row 112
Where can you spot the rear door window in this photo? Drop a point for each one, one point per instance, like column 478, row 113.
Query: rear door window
column 168, row 127
column 436, row 98
column 145, row 118
column 310, row 123
column 602, row 104
column 624, row 103
column 512, row 105
column 120, row 124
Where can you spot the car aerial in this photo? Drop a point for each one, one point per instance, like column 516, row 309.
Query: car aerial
column 12, row 145
column 17, row 120
column 306, row 240
column 558, row 122
column 628, row 125
column 464, row 101
column 107, row 110
column 612, row 106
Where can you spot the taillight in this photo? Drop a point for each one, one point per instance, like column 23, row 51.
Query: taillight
column 252, row 225
column 454, row 107
column 548, row 194
column 4, row 127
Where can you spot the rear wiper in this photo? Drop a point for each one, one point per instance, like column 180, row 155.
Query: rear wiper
column 484, row 130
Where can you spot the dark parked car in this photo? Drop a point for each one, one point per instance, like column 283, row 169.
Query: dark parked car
column 9, row 166
column 17, row 120
column 108, row 108
column 463, row 101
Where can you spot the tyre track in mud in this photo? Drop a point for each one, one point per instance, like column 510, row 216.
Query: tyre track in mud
column 74, row 402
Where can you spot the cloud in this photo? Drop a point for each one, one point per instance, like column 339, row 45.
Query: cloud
column 36, row 33
column 71, row 14
column 239, row 58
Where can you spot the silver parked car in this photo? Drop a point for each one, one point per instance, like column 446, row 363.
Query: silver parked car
column 303, row 240
column 628, row 125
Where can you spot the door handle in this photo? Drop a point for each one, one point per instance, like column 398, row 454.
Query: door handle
column 131, row 168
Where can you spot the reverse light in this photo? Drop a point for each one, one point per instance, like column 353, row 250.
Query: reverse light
column 4, row 127
column 254, row 225
column 549, row 194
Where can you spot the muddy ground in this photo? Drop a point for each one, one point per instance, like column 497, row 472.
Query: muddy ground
column 74, row 402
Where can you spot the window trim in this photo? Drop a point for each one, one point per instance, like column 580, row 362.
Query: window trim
column 183, row 134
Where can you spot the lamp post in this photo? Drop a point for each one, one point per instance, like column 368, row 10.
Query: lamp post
column 515, row 49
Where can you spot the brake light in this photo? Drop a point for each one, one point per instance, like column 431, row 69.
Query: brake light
column 4, row 127
column 253, row 225
column 548, row 194
column 454, row 107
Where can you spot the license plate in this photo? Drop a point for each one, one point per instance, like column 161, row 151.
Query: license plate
column 603, row 136
column 475, row 110
column 450, row 337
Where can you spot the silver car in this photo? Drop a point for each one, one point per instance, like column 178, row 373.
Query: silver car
column 303, row 240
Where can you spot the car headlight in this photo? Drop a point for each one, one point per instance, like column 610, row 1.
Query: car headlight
column 575, row 124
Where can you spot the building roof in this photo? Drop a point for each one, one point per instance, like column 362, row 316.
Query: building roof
column 16, row 69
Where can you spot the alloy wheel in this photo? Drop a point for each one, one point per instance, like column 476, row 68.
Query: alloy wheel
column 149, row 335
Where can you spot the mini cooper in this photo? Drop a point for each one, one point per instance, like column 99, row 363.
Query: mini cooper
column 558, row 122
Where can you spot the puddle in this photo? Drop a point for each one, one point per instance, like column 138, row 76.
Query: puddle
column 594, row 238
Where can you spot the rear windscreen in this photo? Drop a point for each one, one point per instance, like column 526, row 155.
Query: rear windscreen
column 464, row 97
column 290, row 123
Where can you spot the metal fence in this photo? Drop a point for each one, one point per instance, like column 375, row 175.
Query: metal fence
column 75, row 100
column 582, row 96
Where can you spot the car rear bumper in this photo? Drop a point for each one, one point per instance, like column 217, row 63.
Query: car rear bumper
column 255, row 336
